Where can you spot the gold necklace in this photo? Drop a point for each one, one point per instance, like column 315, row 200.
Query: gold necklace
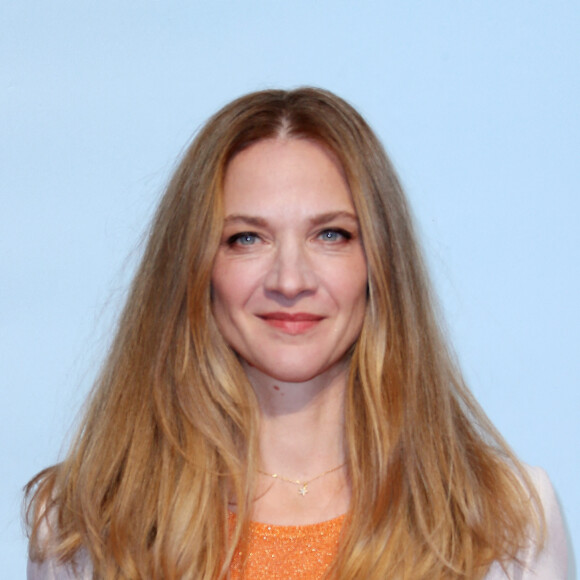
column 302, row 485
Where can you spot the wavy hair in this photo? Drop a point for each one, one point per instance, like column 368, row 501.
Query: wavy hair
column 169, row 435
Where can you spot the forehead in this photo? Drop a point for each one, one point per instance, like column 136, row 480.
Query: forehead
column 286, row 171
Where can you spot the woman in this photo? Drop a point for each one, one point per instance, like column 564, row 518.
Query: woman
column 279, row 401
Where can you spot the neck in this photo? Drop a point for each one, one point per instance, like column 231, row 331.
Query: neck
column 302, row 424
column 301, row 437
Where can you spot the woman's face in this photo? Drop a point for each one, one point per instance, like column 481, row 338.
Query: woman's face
column 290, row 276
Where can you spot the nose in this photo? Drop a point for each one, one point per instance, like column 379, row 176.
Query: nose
column 291, row 273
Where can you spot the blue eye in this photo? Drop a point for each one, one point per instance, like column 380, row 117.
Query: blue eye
column 335, row 235
column 242, row 239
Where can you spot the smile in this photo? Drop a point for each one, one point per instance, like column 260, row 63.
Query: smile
column 295, row 323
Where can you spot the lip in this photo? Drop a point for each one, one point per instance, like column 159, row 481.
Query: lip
column 291, row 322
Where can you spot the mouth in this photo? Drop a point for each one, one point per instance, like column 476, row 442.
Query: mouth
column 291, row 323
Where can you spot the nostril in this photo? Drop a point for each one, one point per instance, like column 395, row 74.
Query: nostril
column 290, row 273
column 290, row 282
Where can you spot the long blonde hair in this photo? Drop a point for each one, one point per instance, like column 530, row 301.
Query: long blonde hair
column 169, row 436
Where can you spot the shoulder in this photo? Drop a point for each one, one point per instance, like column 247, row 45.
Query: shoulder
column 46, row 566
column 51, row 569
column 551, row 563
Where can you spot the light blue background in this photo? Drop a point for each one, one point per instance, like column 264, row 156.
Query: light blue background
column 477, row 103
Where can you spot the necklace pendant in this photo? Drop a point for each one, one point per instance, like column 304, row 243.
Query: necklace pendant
column 303, row 490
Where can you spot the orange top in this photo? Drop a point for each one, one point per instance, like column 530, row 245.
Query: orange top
column 288, row 552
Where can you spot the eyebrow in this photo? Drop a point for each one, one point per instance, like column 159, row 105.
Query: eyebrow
column 331, row 216
column 314, row 220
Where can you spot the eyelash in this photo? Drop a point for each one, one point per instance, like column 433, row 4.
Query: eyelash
column 237, row 239
column 338, row 235
column 342, row 235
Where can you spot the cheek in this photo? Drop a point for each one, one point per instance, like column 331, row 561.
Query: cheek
column 223, row 305
column 353, row 282
column 232, row 285
column 220, row 290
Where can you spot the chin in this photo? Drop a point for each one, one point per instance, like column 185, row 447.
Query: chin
column 288, row 375
column 294, row 377
column 297, row 371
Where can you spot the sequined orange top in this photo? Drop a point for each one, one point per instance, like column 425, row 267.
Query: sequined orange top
column 288, row 552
